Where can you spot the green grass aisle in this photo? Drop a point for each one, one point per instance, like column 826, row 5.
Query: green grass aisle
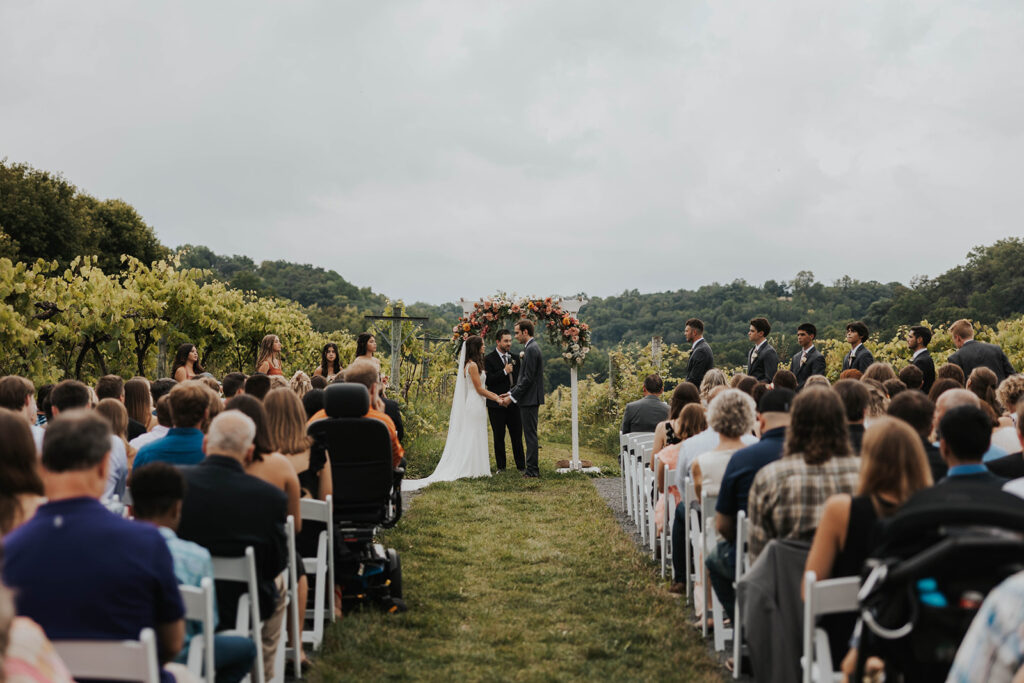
column 513, row 579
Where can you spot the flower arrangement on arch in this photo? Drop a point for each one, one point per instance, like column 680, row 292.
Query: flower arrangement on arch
column 563, row 329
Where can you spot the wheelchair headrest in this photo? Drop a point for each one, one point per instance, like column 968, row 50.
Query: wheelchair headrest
column 346, row 399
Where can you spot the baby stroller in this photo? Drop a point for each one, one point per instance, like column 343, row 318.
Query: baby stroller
column 367, row 497
column 938, row 559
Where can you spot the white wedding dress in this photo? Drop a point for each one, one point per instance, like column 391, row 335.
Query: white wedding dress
column 465, row 450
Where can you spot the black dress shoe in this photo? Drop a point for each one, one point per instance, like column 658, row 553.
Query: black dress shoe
column 499, row 470
column 527, row 475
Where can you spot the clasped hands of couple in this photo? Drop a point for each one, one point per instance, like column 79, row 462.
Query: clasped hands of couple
column 504, row 400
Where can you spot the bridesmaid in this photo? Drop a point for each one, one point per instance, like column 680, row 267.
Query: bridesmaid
column 330, row 364
column 366, row 346
column 269, row 359
column 186, row 363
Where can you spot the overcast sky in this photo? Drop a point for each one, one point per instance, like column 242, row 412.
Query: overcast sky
column 432, row 150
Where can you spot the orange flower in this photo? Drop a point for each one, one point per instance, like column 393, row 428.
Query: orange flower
column 466, row 327
column 566, row 321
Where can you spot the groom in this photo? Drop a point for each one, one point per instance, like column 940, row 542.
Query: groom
column 501, row 375
column 528, row 393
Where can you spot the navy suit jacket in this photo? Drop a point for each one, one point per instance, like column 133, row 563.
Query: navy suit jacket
column 814, row 365
column 701, row 360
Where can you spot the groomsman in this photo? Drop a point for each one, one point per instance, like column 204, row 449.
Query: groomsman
column 971, row 354
column 809, row 360
column 918, row 339
column 762, row 360
column 701, row 359
column 501, row 376
column 859, row 358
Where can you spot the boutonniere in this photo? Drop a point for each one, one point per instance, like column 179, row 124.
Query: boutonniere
column 753, row 356
column 522, row 354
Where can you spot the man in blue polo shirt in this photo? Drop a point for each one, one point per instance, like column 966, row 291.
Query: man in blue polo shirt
column 773, row 418
column 183, row 444
column 80, row 571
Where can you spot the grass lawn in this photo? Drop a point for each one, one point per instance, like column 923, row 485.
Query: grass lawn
column 513, row 579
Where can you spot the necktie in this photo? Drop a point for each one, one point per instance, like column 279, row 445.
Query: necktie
column 803, row 358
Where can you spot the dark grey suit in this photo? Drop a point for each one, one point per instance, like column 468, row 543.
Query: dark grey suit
column 975, row 354
column 814, row 365
column 764, row 367
column 926, row 365
column 644, row 415
column 528, row 393
column 859, row 362
column 701, row 360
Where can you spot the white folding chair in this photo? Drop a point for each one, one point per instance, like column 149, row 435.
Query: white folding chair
column 117, row 660
column 688, row 497
column 668, row 519
column 321, row 568
column 247, row 619
column 710, row 541
column 742, row 566
column 623, row 459
column 293, row 604
column 199, row 607
column 831, row 596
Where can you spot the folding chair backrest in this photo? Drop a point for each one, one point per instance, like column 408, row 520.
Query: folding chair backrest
column 199, row 607
column 243, row 570
column 831, row 596
column 116, row 660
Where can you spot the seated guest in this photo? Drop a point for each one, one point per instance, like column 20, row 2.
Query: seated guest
column 313, row 402
column 1009, row 395
column 365, row 372
column 731, row 415
column 43, row 414
column 53, row 562
column 951, row 371
column 114, row 412
column 773, row 418
column 317, row 382
column 691, row 420
column 21, row 488
column 971, row 354
column 157, row 494
column 878, row 401
column 139, row 404
column 893, row 467
column 965, row 433
column 879, row 371
column 913, row 378
column 645, row 414
column 992, row 649
column 918, row 411
column 784, row 379
column 667, row 432
column 226, row 510
column 747, row 384
column 183, row 445
column 392, row 410
column 983, row 384
column 257, row 385
column 1011, row 466
column 734, row 381
column 715, row 378
column 941, row 386
column 856, row 399
column 300, row 383
column 232, row 384
column 961, row 397
column 787, row 496
column 17, row 394
column 160, row 430
column 71, row 395
column 818, row 381
column 110, row 386
column 26, row 654
column 702, row 443
column 161, row 387
column 893, row 387
column 852, row 373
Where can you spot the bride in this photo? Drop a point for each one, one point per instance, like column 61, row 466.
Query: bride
column 465, row 450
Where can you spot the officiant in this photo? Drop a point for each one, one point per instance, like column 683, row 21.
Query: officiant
column 502, row 372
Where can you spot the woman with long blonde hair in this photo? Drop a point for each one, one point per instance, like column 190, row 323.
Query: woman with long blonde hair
column 268, row 361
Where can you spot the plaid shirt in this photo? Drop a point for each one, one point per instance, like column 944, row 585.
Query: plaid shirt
column 993, row 649
column 787, row 497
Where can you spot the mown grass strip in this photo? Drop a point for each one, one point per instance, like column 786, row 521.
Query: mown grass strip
column 513, row 579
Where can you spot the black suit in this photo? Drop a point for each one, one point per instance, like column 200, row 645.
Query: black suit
column 764, row 367
column 1009, row 466
column 936, row 464
column 927, row 366
column 500, row 383
column 856, row 437
column 814, row 365
column 975, row 354
column 226, row 510
column 859, row 362
column 528, row 394
column 701, row 360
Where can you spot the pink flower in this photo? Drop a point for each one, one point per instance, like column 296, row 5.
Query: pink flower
column 515, row 308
